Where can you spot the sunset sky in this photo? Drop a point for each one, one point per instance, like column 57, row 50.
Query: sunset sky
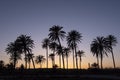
column 92, row 18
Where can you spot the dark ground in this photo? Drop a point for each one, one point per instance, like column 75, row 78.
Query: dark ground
column 60, row 74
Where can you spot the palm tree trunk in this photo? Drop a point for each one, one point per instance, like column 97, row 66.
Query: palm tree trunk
column 113, row 59
column 25, row 60
column 29, row 64
column 98, row 61
column 76, row 58
column 80, row 63
column 40, row 65
column 62, row 54
column 47, row 56
column 33, row 63
column 60, row 60
column 52, row 63
column 101, row 61
column 54, row 56
column 73, row 59
column 67, row 61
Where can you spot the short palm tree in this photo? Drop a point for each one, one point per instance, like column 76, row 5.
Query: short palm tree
column 59, row 52
column 80, row 53
column 101, row 46
column 73, row 38
column 45, row 44
column 56, row 33
column 66, row 52
column 26, row 44
column 40, row 59
column 30, row 58
column 112, row 40
column 14, row 51
column 52, row 57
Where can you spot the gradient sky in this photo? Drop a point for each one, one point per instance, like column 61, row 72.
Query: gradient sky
column 92, row 18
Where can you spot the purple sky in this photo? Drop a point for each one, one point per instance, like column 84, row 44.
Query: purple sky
column 92, row 18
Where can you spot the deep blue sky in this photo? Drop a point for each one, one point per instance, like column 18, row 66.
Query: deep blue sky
column 92, row 18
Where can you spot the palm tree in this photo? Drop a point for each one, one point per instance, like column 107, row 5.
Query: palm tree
column 45, row 44
column 59, row 52
column 112, row 40
column 66, row 52
column 101, row 46
column 71, row 46
column 53, row 46
column 29, row 59
column 14, row 51
column 95, row 52
column 80, row 53
column 56, row 33
column 26, row 44
column 73, row 38
column 40, row 59
column 52, row 57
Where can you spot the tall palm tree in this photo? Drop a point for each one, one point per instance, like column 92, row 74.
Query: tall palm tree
column 71, row 46
column 80, row 53
column 40, row 59
column 66, row 52
column 102, row 47
column 112, row 40
column 53, row 46
column 94, row 50
column 45, row 44
column 73, row 38
column 14, row 51
column 52, row 57
column 26, row 44
column 56, row 33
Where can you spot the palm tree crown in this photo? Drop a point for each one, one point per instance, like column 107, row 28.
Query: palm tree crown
column 56, row 33
column 15, row 53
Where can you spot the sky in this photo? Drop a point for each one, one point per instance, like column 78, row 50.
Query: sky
column 92, row 18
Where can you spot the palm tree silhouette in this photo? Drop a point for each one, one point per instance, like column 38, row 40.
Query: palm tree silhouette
column 66, row 52
column 52, row 57
column 45, row 44
column 56, row 33
column 102, row 47
column 53, row 46
column 112, row 40
column 14, row 51
column 59, row 52
column 80, row 53
column 74, row 37
column 26, row 44
column 71, row 46
column 29, row 59
column 40, row 59
column 94, row 50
